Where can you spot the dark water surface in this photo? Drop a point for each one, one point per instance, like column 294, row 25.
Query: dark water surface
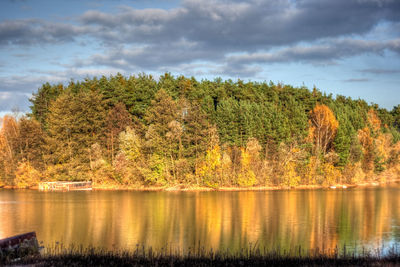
column 361, row 217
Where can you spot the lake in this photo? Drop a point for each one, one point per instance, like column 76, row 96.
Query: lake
column 279, row 220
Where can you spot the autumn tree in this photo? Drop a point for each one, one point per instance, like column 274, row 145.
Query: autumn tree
column 246, row 176
column 26, row 175
column 323, row 128
column 118, row 118
column 366, row 141
column 209, row 170
column 9, row 149
column 129, row 162
column 374, row 143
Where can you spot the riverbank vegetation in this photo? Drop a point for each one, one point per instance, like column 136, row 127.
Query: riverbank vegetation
column 78, row 256
column 139, row 132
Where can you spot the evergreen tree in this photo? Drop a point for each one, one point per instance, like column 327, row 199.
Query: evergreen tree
column 75, row 122
column 42, row 99
column 228, row 122
column 33, row 141
column 161, row 113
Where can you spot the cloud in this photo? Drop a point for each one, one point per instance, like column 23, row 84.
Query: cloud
column 182, row 54
column 380, row 71
column 325, row 52
column 155, row 56
column 27, row 83
column 241, row 71
column 221, row 37
column 249, row 25
column 16, row 90
column 219, row 25
column 36, row 31
column 213, row 30
column 262, row 31
column 13, row 101
column 356, row 80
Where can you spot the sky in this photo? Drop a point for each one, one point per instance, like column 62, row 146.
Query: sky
column 346, row 47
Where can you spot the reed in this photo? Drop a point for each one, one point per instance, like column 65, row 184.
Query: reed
column 72, row 255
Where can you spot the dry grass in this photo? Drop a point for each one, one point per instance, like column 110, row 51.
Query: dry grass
column 80, row 256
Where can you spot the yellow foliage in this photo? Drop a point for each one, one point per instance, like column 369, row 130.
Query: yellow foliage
column 26, row 176
column 383, row 145
column 158, row 172
column 331, row 174
column 55, row 172
column 290, row 176
column 374, row 121
column 214, row 157
column 311, row 171
column 246, row 176
column 295, row 150
column 210, row 169
column 323, row 127
column 245, row 160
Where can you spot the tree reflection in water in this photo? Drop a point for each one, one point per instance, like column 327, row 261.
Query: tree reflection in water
column 219, row 220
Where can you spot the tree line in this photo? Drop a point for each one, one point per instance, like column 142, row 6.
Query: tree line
column 138, row 131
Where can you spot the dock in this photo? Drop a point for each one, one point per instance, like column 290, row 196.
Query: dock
column 65, row 186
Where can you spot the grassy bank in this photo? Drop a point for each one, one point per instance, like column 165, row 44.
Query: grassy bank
column 77, row 256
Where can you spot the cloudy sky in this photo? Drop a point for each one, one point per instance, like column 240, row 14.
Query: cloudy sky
column 347, row 47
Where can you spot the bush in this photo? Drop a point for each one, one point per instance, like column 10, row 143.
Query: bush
column 26, row 175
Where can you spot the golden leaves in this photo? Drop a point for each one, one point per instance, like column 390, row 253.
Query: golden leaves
column 323, row 127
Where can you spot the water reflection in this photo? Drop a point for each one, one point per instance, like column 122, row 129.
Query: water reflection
column 228, row 220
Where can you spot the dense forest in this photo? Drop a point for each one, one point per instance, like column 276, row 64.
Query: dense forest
column 138, row 131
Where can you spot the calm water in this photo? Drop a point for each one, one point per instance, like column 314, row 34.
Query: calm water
column 218, row 220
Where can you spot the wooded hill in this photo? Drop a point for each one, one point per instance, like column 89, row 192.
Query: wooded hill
column 138, row 131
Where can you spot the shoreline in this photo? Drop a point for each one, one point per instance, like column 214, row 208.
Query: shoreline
column 185, row 188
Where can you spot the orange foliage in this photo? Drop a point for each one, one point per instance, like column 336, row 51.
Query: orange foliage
column 364, row 136
column 10, row 131
column 9, row 137
column 374, row 121
column 366, row 141
column 323, row 127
